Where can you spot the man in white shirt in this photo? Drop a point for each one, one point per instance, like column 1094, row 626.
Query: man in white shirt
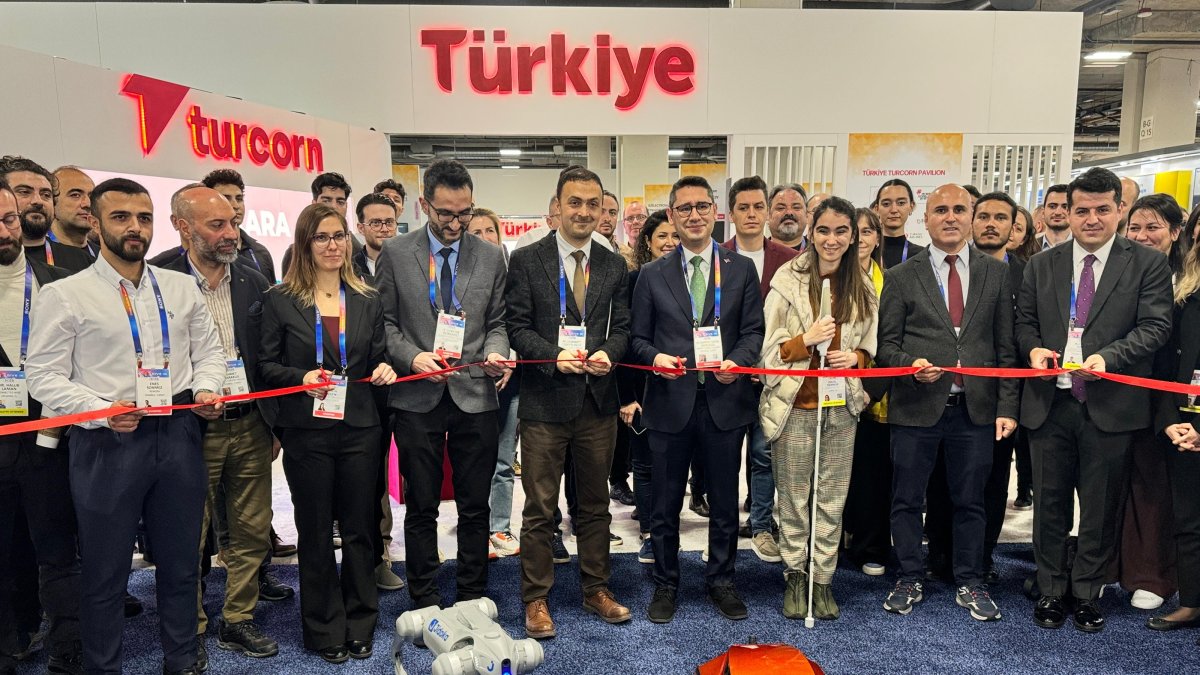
column 112, row 334
column 1054, row 212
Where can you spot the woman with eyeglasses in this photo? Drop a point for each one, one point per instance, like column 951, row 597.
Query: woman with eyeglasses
column 324, row 325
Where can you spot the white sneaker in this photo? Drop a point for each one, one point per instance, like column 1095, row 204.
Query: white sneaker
column 1146, row 600
column 874, row 569
column 505, row 544
column 704, row 554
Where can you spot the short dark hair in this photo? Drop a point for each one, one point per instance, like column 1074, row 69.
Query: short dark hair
column 390, row 184
column 373, row 198
column 748, row 184
column 894, row 183
column 788, row 186
column 996, row 197
column 224, row 177
column 330, row 180
column 121, row 185
column 686, row 182
column 614, row 196
column 1095, row 181
column 13, row 163
column 576, row 174
column 448, row 173
column 837, row 205
column 1057, row 187
column 973, row 191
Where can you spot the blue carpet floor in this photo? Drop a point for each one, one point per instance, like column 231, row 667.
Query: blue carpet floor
column 938, row 637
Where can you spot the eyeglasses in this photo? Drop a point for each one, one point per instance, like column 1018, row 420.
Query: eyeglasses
column 381, row 224
column 444, row 217
column 701, row 208
column 323, row 239
column 635, row 219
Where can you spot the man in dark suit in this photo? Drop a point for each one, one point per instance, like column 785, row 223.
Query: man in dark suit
column 229, row 183
column 1098, row 303
column 562, row 282
column 948, row 305
column 443, row 301
column 699, row 306
column 377, row 215
column 749, row 213
column 73, row 222
column 238, row 445
column 33, row 471
column 34, row 188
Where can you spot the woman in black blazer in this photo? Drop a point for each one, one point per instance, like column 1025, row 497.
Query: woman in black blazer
column 331, row 452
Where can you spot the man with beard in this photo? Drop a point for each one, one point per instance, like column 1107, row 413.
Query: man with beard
column 238, row 446
column 34, row 490
column 789, row 216
column 377, row 216
column 34, row 187
column 73, row 222
column 1054, row 213
column 607, row 227
column 229, row 183
column 116, row 332
column 894, row 203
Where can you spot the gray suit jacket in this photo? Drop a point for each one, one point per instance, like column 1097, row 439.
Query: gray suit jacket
column 410, row 322
column 914, row 324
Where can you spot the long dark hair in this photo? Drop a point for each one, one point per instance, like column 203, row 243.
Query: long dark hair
column 641, row 248
column 1168, row 209
column 873, row 223
column 1029, row 247
column 857, row 297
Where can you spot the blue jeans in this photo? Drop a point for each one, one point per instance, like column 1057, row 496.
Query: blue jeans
column 500, row 500
column 762, row 481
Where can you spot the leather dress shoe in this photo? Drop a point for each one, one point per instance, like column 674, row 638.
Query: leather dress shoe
column 280, row 549
column 604, row 605
column 662, row 606
column 359, row 649
column 1160, row 623
column 538, row 624
column 1049, row 612
column 700, row 505
column 133, row 606
column 334, row 654
column 621, row 494
column 270, row 588
column 69, row 662
column 1088, row 617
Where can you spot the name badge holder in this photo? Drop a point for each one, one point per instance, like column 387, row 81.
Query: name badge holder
column 451, row 330
column 14, row 390
column 572, row 339
column 706, row 340
column 831, row 391
column 153, row 385
column 333, row 405
column 1191, row 406
column 236, row 381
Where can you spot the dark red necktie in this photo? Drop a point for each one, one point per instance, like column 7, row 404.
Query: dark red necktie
column 954, row 296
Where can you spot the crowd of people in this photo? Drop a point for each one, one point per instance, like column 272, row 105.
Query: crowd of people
column 1096, row 279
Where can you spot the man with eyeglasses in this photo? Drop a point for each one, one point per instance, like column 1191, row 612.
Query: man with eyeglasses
column 443, row 303
column 635, row 218
column 699, row 306
column 377, row 216
column 789, row 216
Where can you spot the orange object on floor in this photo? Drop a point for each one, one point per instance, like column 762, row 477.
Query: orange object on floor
column 755, row 659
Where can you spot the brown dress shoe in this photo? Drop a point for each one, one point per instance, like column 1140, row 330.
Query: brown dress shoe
column 604, row 605
column 538, row 623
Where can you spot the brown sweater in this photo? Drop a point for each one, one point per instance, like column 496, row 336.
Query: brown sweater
column 795, row 350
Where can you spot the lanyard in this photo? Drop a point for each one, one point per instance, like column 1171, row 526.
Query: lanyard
column 49, row 254
column 716, row 272
column 562, row 292
column 904, row 253
column 254, row 259
column 1073, row 305
column 341, row 331
column 162, row 320
column 433, row 286
column 25, row 313
column 91, row 251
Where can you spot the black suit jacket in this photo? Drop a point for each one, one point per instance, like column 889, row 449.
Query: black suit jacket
column 1175, row 362
column 67, row 258
column 359, row 261
column 12, row 446
column 288, row 351
column 662, row 324
column 532, row 298
column 914, row 324
column 1130, row 320
column 257, row 256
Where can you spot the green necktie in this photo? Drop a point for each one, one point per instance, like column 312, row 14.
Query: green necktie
column 699, row 290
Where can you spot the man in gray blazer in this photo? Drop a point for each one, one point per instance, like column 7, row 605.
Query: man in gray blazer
column 443, row 302
column 947, row 305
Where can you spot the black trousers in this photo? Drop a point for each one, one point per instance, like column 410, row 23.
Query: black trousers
column 619, row 472
column 939, row 508
column 332, row 473
column 867, row 516
column 35, row 497
column 1024, row 463
column 473, row 446
column 720, row 453
column 642, row 464
column 157, row 474
column 1185, row 478
column 1070, row 454
column 968, row 451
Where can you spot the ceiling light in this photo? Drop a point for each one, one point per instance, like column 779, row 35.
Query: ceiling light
column 1110, row 11
column 1104, row 64
column 1144, row 12
column 1107, row 56
column 510, row 152
column 675, row 152
column 510, row 166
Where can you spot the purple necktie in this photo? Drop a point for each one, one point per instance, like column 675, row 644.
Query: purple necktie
column 1083, row 305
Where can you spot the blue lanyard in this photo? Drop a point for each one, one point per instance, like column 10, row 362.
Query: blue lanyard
column 254, row 259
column 937, row 275
column 904, row 253
column 1072, row 305
column 433, row 286
column 341, row 330
column 25, row 314
column 162, row 320
column 716, row 272
column 562, row 293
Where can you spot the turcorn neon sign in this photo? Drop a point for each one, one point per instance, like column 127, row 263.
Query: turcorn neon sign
column 215, row 138
column 493, row 69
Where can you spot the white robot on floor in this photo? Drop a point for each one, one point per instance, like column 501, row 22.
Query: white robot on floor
column 466, row 639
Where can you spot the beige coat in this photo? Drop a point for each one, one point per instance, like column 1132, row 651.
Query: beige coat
column 788, row 313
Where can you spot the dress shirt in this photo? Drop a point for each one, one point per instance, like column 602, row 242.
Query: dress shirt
column 564, row 253
column 539, row 233
column 371, row 264
column 220, row 306
column 941, row 270
column 81, row 354
column 435, row 247
column 1078, row 253
column 12, row 299
column 705, row 268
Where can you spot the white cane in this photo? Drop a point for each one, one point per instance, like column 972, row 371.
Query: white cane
column 826, row 310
